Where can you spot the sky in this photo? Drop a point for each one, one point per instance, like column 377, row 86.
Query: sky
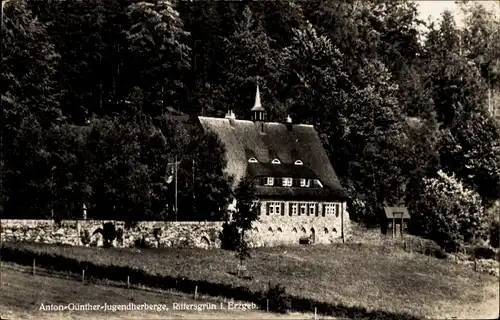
column 435, row 8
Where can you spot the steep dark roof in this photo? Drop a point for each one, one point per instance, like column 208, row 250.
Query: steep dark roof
column 279, row 170
column 298, row 194
column 243, row 140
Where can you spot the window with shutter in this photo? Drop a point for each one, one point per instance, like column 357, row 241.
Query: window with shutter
column 267, row 208
column 303, row 208
column 287, row 182
column 282, row 208
column 305, row 182
column 312, row 209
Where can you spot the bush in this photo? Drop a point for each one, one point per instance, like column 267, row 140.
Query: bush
column 440, row 254
column 85, row 237
column 141, row 243
column 109, row 234
column 278, row 299
column 229, row 237
column 484, row 253
column 449, row 213
column 119, row 236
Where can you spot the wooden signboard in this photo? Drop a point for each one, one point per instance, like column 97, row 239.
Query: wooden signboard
column 397, row 214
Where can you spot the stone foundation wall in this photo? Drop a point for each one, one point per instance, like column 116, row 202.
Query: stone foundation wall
column 270, row 230
column 88, row 233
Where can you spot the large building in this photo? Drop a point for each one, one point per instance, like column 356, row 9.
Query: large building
column 300, row 196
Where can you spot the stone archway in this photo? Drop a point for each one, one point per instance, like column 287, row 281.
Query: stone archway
column 204, row 243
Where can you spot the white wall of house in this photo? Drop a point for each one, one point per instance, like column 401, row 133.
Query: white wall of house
column 288, row 226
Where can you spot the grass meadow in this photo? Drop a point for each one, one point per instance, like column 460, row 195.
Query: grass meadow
column 368, row 276
column 23, row 294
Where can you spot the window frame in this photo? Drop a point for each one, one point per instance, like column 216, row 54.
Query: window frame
column 269, row 181
column 303, row 205
column 287, row 182
column 305, row 183
column 312, row 209
column 329, row 209
column 275, row 208
column 276, row 161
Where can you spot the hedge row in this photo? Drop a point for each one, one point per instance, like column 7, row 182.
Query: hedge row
column 58, row 262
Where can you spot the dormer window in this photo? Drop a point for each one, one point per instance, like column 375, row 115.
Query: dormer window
column 276, row 161
column 252, row 160
column 287, row 182
column 299, row 163
column 269, row 181
column 304, row 182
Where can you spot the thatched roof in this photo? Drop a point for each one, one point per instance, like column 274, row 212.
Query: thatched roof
column 279, row 170
column 244, row 140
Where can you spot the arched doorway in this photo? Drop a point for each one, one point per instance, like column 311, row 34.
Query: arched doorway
column 313, row 235
column 204, row 243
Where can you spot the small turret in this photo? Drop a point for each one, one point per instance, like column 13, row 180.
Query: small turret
column 258, row 112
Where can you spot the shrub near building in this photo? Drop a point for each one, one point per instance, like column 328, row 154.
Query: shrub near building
column 449, row 213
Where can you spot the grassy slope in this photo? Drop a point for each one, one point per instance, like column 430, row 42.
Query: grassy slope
column 22, row 295
column 365, row 275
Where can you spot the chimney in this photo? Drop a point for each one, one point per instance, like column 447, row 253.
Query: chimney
column 231, row 116
column 289, row 123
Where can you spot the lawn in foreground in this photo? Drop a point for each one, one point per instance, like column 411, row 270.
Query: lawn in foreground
column 370, row 276
column 22, row 294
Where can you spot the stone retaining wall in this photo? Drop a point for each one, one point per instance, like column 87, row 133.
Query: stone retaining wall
column 88, row 232
column 270, row 230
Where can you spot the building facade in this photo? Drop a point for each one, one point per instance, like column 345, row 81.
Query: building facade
column 300, row 197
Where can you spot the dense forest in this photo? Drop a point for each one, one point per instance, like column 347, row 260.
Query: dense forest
column 99, row 96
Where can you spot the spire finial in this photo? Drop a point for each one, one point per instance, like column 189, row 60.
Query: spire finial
column 257, row 98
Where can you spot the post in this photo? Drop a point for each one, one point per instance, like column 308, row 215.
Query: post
column 83, row 276
column 195, row 292
column 393, row 226
column 175, row 188
column 34, row 267
column 402, row 226
column 267, row 307
column 315, row 312
column 193, row 180
column 342, row 222
column 128, row 282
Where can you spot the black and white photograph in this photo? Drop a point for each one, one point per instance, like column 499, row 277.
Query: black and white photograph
column 249, row 159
